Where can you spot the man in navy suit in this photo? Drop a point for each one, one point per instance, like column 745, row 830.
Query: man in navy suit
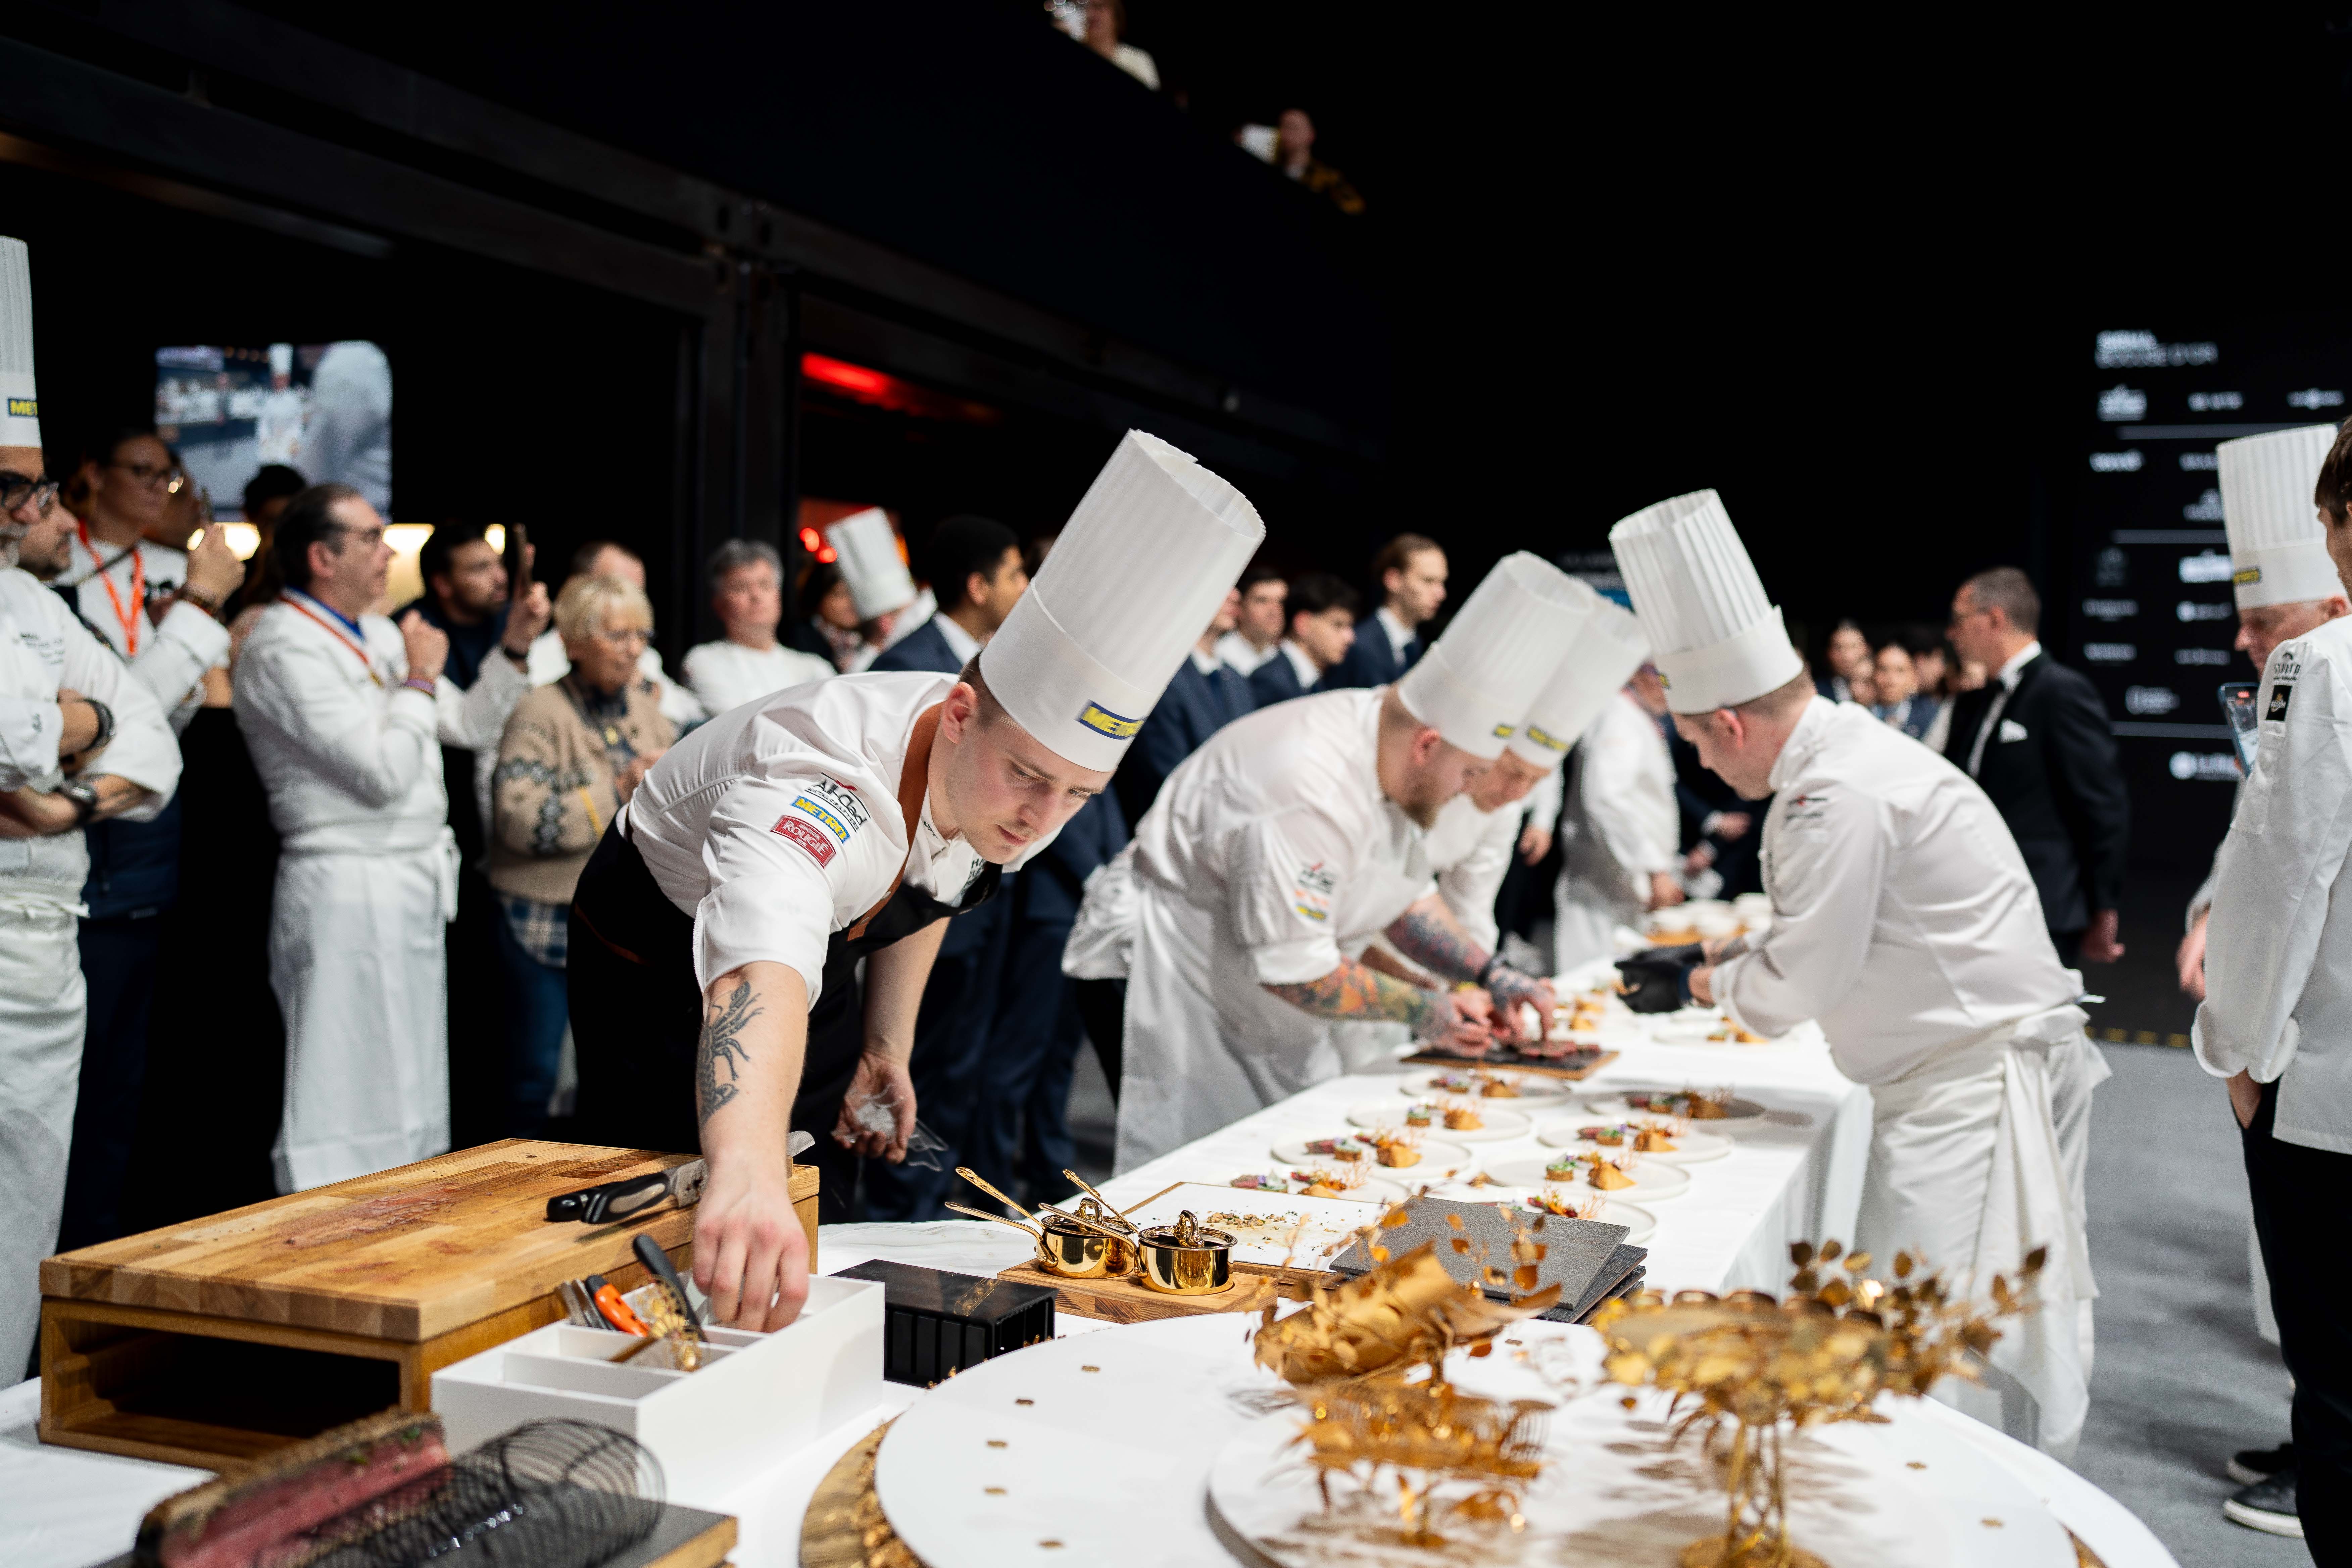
column 1205, row 697
column 1322, row 627
column 1411, row 572
column 976, row 573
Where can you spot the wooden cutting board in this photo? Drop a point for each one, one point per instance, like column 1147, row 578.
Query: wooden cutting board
column 405, row 1254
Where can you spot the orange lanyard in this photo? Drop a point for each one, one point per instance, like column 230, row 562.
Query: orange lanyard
column 340, row 636
column 128, row 618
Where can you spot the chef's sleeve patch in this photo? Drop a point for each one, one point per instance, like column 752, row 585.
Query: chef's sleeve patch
column 1312, row 889
column 812, row 843
column 2280, row 693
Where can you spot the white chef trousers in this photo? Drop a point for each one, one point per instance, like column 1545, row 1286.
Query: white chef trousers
column 358, row 961
column 1206, row 1044
column 1967, row 1170
column 1585, row 920
column 42, row 1012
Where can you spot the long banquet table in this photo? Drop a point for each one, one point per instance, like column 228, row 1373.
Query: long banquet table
column 1797, row 1175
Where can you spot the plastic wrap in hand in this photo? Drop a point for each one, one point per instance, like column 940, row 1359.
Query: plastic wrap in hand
column 879, row 1116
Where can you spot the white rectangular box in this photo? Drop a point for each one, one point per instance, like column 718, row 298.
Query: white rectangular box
column 757, row 1391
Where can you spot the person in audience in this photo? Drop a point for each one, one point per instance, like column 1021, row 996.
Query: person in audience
column 465, row 597
column 831, row 611
column 1293, row 154
column 1900, row 703
column 1411, row 572
column 2037, row 738
column 573, row 755
column 1622, row 827
column 1204, row 698
column 747, row 595
column 1320, row 612
column 344, row 713
column 1861, row 684
column 604, row 558
column 1106, row 28
column 977, row 576
column 1258, row 632
column 82, row 739
column 1847, row 649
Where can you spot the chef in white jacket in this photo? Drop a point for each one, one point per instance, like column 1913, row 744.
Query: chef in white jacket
column 1290, row 828
column 1623, row 828
column 345, row 715
column 66, row 702
column 1905, row 921
column 752, row 938
column 2276, row 1020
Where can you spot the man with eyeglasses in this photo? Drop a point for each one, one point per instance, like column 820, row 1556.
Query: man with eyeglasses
column 346, row 714
column 80, row 741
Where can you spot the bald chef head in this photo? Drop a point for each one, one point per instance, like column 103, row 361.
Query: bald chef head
column 1278, row 848
column 719, row 928
column 1906, row 923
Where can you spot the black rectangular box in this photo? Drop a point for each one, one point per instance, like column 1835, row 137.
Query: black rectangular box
column 936, row 1323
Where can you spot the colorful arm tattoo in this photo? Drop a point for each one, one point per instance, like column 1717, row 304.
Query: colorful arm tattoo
column 1354, row 991
column 1430, row 936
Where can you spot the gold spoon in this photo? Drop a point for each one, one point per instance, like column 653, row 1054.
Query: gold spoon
column 984, row 1213
column 1087, row 1187
column 966, row 1173
column 1127, row 1235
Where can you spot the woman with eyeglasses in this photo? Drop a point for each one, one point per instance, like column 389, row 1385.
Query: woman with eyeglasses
column 573, row 755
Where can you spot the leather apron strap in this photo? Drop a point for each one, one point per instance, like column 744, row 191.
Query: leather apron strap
column 914, row 779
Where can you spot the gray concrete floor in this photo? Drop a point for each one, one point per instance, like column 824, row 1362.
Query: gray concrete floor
column 2181, row 1381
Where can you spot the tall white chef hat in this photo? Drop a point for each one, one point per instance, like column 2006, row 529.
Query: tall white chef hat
column 1476, row 683
column 281, row 358
column 20, row 406
column 1134, row 578
column 2278, row 548
column 1609, row 647
column 1717, row 639
column 867, row 548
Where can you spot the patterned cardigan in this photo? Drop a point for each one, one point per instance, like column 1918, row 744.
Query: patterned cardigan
column 551, row 795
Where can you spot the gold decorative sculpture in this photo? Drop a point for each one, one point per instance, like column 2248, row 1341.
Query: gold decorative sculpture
column 1824, row 1353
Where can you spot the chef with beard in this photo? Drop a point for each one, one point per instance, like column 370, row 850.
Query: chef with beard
column 1905, row 921
column 718, row 933
column 1282, row 834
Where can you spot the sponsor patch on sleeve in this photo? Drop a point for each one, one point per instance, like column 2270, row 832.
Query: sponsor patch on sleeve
column 1311, row 890
column 813, row 842
column 2280, row 693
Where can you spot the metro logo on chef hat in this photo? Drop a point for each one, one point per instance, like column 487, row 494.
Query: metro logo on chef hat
column 1478, row 681
column 1132, row 580
column 1609, row 647
column 1717, row 639
column 867, row 549
column 2278, row 547
column 20, row 406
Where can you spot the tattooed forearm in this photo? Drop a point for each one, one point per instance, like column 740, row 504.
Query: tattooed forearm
column 722, row 1030
column 1354, row 991
column 1428, row 935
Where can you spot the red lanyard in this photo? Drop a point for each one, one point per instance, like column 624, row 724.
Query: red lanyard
column 340, row 636
column 128, row 618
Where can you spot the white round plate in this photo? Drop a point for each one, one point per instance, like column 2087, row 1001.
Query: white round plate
column 1437, row 1157
column 1654, row 1181
column 1615, row 1493
column 1639, row 1223
column 1370, row 1190
column 1690, row 1147
column 1500, row 1123
column 1421, row 1083
column 1745, row 1113
column 1055, row 1453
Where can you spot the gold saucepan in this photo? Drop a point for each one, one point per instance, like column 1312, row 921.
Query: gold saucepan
column 1186, row 1258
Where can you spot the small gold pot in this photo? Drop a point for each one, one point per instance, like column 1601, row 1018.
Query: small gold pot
column 1186, row 1258
column 1075, row 1252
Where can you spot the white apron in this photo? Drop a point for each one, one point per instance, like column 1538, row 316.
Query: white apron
column 1206, row 1044
column 358, row 961
column 1968, row 1168
column 42, row 1013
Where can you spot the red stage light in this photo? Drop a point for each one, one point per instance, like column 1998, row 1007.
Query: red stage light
column 846, row 376
column 812, row 540
column 827, row 556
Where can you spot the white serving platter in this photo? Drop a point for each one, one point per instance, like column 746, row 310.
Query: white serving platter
column 1652, row 1181
column 1609, row 1105
column 1438, row 1156
column 1500, row 1123
column 1324, row 1227
column 1690, row 1147
column 1421, row 1083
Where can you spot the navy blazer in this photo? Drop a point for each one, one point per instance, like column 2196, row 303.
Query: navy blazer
column 1054, row 883
column 1371, row 661
column 1275, row 682
column 1194, row 708
column 923, row 648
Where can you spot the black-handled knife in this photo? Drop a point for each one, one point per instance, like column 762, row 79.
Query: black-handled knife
column 629, row 1198
column 658, row 1264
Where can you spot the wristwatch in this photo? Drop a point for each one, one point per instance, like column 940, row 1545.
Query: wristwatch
column 84, row 798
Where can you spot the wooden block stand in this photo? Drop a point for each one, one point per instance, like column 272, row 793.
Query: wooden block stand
column 222, row 1339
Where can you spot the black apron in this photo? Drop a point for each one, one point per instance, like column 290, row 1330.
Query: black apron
column 637, row 1010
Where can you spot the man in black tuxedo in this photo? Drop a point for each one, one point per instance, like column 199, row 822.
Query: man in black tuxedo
column 1411, row 572
column 2036, row 736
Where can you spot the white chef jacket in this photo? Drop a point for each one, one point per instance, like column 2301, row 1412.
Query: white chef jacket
column 351, row 756
column 1241, row 654
column 1266, row 848
column 549, row 664
column 45, row 650
column 777, row 822
column 1622, row 824
column 1903, row 915
column 170, row 659
column 1467, row 851
column 2278, row 964
column 724, row 674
